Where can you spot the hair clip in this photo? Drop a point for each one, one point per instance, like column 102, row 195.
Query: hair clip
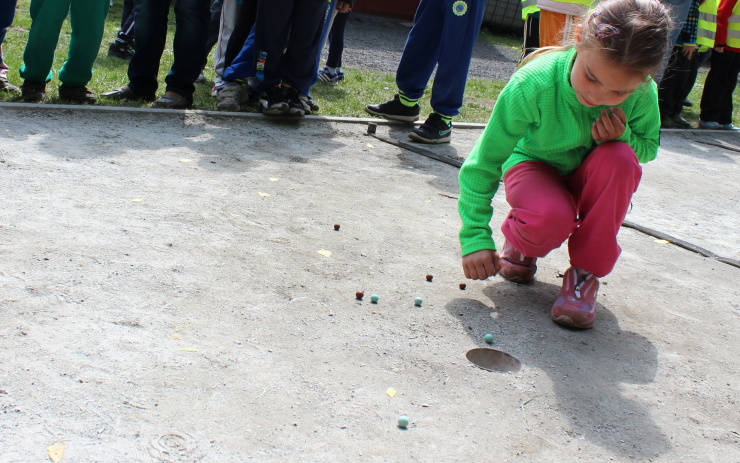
column 595, row 13
column 606, row 30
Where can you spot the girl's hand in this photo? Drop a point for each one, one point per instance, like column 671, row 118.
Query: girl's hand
column 610, row 125
column 481, row 264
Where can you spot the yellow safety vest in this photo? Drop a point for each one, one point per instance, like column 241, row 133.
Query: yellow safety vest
column 733, row 28
column 707, row 25
column 529, row 7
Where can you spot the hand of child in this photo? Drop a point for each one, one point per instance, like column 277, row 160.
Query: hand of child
column 481, row 264
column 343, row 7
column 610, row 125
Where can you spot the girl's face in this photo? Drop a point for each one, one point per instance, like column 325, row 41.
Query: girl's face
column 598, row 81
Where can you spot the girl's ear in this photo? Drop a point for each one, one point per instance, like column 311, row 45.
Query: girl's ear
column 578, row 36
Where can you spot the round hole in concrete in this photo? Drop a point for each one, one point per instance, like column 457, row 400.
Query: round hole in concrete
column 493, row 360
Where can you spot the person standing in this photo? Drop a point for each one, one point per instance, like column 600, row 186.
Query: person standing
column 443, row 36
column 87, row 18
column 7, row 12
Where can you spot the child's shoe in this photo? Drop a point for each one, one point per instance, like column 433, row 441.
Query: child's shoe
column 273, row 102
column 309, row 105
column 340, row 74
column 6, row 86
column 33, row 92
column 515, row 266
column 231, row 96
column 576, row 304
column 77, row 94
column 394, row 109
column 328, row 77
column 729, row 127
column 709, row 125
column 295, row 104
column 433, row 130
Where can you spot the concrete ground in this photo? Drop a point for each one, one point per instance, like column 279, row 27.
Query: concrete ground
column 173, row 290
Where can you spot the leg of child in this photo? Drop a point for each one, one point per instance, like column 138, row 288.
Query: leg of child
column 543, row 211
column 46, row 23
column 87, row 18
column 603, row 186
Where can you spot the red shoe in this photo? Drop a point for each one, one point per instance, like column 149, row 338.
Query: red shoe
column 515, row 266
column 576, row 304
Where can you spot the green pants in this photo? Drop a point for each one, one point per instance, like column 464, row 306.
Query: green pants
column 87, row 18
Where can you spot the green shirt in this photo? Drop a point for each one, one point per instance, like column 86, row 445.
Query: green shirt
column 537, row 117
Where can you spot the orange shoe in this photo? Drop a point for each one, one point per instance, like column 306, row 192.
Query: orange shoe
column 576, row 304
column 515, row 266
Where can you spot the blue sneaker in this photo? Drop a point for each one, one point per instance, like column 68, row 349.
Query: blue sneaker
column 729, row 127
column 340, row 74
column 328, row 77
column 433, row 130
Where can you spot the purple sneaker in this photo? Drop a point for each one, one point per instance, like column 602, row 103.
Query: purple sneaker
column 576, row 304
column 515, row 266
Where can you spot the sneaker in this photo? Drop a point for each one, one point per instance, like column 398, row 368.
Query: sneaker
column 674, row 122
column 33, row 92
column 709, row 125
column 119, row 50
column 295, row 104
column 515, row 266
column 309, row 105
column 273, row 102
column 201, row 79
column 394, row 109
column 340, row 74
column 77, row 94
column 681, row 122
column 687, row 103
column 433, row 130
column 328, row 77
column 6, row 86
column 729, row 127
column 231, row 96
column 576, row 304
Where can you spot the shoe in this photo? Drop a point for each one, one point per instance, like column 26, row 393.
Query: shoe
column 273, row 102
column 328, row 77
column 77, row 94
column 340, row 74
column 729, row 127
column 309, row 105
column 576, row 304
column 687, row 103
column 295, row 104
column 709, row 125
column 173, row 101
column 433, row 130
column 230, row 96
column 515, row 266
column 681, row 122
column 6, row 86
column 394, row 109
column 33, row 92
column 674, row 122
column 119, row 50
column 125, row 93
column 201, row 79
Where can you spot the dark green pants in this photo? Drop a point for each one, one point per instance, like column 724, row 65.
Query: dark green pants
column 87, row 18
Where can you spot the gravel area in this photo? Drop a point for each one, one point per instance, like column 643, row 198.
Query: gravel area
column 375, row 43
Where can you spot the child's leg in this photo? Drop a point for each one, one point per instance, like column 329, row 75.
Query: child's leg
column 603, row 186
column 543, row 212
column 46, row 23
column 87, row 18
column 336, row 40
column 716, row 99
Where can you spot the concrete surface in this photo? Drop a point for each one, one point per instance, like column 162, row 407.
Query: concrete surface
column 164, row 299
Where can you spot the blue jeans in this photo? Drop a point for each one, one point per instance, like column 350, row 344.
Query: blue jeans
column 7, row 11
column 150, row 35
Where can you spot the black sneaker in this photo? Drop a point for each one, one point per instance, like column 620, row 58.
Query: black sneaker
column 394, row 109
column 273, row 102
column 309, row 105
column 78, row 94
column 295, row 104
column 33, row 92
column 119, row 50
column 433, row 130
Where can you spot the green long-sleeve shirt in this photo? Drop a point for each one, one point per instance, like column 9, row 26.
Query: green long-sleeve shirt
column 537, row 117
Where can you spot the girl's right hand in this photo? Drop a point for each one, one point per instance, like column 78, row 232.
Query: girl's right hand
column 481, row 264
column 610, row 125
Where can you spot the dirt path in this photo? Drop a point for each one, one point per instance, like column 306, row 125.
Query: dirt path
column 164, row 298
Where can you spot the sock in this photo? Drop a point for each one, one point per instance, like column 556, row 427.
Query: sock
column 330, row 69
column 406, row 101
column 446, row 119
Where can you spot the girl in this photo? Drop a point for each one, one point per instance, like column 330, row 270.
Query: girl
column 568, row 131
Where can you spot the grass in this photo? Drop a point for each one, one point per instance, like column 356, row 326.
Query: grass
column 346, row 99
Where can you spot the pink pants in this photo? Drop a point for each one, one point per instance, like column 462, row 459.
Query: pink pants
column 586, row 207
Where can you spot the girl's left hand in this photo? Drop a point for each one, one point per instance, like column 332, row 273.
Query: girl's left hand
column 610, row 125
